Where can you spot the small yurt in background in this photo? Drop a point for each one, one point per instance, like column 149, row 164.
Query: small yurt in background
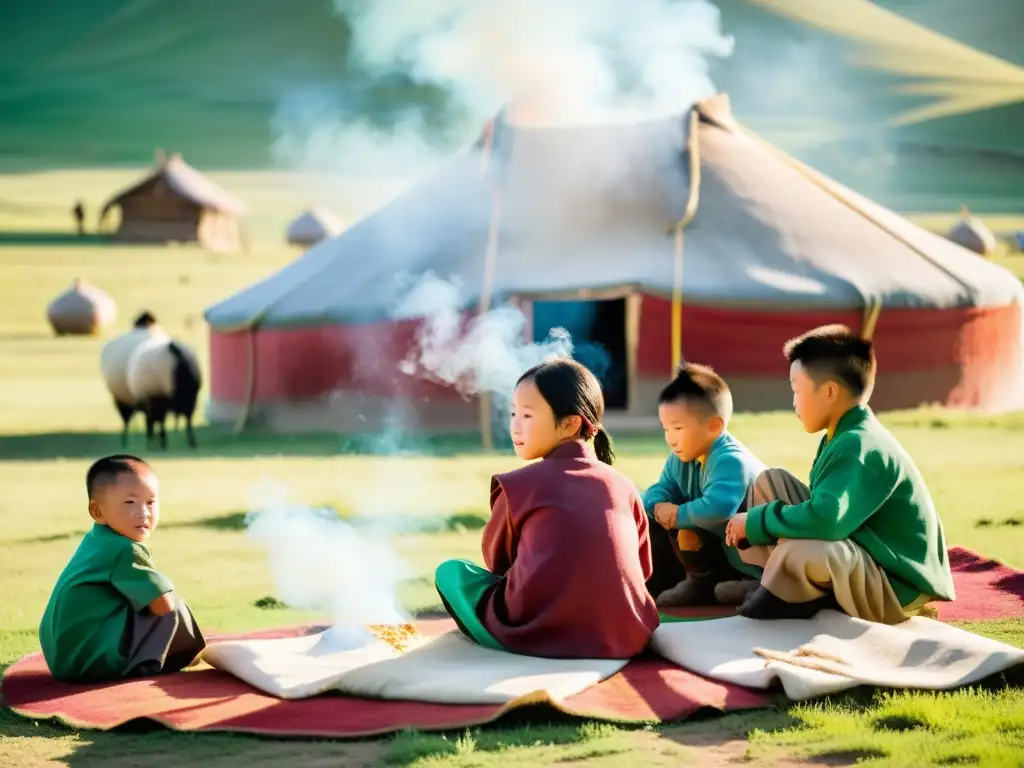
column 972, row 234
column 81, row 310
column 312, row 226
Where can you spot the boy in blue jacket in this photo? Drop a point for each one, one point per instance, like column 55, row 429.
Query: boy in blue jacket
column 702, row 485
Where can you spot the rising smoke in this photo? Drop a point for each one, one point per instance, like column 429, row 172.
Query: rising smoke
column 485, row 354
column 349, row 569
column 570, row 59
column 555, row 61
column 320, row 562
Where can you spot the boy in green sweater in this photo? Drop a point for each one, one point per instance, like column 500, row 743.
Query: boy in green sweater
column 865, row 537
column 112, row 614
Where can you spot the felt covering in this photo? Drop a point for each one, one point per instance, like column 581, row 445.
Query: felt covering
column 448, row 669
column 833, row 652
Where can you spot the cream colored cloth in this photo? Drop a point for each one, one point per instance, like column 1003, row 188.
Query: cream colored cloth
column 833, row 652
column 801, row 570
column 449, row 669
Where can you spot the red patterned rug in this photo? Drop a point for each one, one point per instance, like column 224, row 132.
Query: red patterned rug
column 646, row 690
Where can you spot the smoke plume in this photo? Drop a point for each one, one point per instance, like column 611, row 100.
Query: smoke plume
column 568, row 59
column 554, row 61
column 314, row 133
column 485, row 354
column 322, row 563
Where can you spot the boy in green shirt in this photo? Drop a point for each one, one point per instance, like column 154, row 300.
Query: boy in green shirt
column 865, row 537
column 112, row 614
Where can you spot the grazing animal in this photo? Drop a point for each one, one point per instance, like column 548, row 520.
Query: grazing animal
column 164, row 379
column 114, row 359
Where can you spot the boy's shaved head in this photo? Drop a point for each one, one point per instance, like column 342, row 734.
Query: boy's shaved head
column 106, row 471
column 834, row 352
column 700, row 388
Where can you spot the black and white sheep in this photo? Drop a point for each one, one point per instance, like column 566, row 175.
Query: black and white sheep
column 164, row 378
column 114, row 359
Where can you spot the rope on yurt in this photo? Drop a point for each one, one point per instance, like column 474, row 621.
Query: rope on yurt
column 873, row 307
column 692, row 201
column 250, row 381
column 871, row 313
column 490, row 265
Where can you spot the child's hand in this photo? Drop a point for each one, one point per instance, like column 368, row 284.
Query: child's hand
column 665, row 514
column 162, row 605
column 736, row 529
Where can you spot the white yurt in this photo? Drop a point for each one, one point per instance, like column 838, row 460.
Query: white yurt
column 82, row 310
column 971, row 233
column 312, row 226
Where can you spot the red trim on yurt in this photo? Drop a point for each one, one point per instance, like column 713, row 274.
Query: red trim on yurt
column 966, row 357
column 749, row 343
column 306, row 363
column 732, row 341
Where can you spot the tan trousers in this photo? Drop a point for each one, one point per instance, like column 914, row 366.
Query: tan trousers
column 801, row 570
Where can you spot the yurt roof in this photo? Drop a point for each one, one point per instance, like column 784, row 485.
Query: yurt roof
column 187, row 182
column 314, row 222
column 595, row 208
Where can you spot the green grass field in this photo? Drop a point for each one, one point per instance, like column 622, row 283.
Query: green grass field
column 55, row 416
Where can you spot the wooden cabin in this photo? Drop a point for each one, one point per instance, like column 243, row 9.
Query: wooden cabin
column 177, row 203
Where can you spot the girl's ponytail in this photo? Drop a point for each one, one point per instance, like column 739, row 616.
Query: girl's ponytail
column 603, row 445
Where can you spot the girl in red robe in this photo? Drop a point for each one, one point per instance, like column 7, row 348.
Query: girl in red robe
column 566, row 548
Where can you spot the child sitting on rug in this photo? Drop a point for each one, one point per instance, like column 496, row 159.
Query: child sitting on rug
column 566, row 547
column 865, row 537
column 112, row 614
column 702, row 485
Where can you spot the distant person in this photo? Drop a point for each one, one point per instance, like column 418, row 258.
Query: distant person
column 79, row 213
column 112, row 615
column 704, row 483
column 566, row 547
column 865, row 537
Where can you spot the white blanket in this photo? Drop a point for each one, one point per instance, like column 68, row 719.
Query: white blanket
column 449, row 669
column 833, row 652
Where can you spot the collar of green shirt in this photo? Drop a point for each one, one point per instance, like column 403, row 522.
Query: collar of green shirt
column 850, row 420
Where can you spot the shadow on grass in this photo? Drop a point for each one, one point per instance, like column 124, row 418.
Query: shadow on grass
column 1009, row 522
column 231, row 521
column 221, row 442
column 906, row 727
column 146, row 742
column 28, row 336
column 459, row 522
column 55, row 237
column 531, row 731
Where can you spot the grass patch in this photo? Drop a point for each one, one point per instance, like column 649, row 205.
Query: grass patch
column 971, row 726
column 270, row 603
column 524, row 745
